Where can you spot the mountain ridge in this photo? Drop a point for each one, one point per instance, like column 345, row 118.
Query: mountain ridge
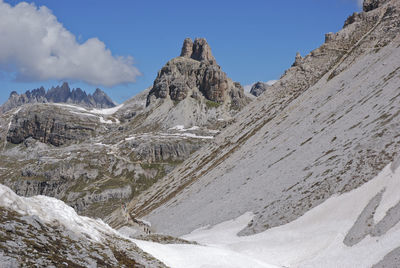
column 58, row 94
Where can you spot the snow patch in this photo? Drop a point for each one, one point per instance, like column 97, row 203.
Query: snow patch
column 182, row 128
column 316, row 238
column 193, row 128
column 178, row 127
column 52, row 210
column 107, row 111
column 69, row 106
column 85, row 114
column 168, row 135
column 105, row 121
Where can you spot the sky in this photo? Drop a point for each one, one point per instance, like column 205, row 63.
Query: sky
column 120, row 45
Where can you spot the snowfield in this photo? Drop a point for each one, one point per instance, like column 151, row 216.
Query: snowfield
column 93, row 112
column 314, row 240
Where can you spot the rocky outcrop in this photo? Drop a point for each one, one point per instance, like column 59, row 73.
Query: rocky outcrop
column 258, row 88
column 369, row 5
column 195, row 74
column 59, row 94
column 165, row 150
column 199, row 50
column 43, row 124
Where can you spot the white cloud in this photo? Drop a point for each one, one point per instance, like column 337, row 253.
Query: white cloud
column 37, row 47
column 360, row 3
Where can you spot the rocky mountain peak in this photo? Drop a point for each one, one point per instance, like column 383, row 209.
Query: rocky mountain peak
column 198, row 50
column 194, row 89
column 203, row 78
column 299, row 58
column 13, row 93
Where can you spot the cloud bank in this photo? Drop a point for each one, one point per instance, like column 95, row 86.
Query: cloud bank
column 36, row 47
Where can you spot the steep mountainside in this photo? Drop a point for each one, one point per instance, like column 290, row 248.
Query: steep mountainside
column 329, row 125
column 59, row 94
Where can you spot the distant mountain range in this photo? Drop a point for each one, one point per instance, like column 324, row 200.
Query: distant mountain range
column 59, row 94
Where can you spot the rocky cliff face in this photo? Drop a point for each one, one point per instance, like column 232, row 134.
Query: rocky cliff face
column 46, row 125
column 195, row 74
column 59, row 94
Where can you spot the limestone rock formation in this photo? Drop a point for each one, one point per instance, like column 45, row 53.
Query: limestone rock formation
column 199, row 50
column 299, row 58
column 59, row 94
column 47, row 126
column 258, row 88
column 195, row 74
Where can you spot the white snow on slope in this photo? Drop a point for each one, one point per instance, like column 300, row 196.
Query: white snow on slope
column 105, row 121
column 107, row 111
column 182, row 128
column 192, row 256
column 93, row 112
column 68, row 106
column 52, row 210
column 168, row 135
column 313, row 240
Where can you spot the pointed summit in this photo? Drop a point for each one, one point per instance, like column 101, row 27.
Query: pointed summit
column 199, row 50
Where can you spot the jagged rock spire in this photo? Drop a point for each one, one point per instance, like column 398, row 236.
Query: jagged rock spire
column 198, row 50
column 196, row 74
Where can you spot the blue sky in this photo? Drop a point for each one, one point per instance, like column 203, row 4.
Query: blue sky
column 254, row 40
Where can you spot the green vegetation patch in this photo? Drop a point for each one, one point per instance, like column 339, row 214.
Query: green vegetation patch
column 212, row 104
